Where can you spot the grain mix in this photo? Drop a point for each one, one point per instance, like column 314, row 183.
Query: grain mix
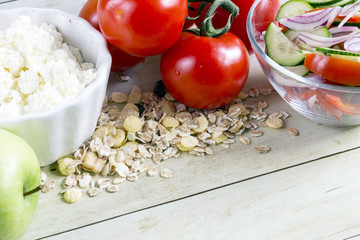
column 140, row 125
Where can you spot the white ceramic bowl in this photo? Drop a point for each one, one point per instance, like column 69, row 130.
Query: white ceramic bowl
column 62, row 130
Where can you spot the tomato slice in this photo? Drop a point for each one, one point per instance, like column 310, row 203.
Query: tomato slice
column 353, row 19
column 351, row 109
column 334, row 69
column 314, row 96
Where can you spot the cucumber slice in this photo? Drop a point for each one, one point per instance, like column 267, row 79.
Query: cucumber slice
column 346, row 57
column 331, row 52
column 339, row 54
column 321, row 31
column 299, row 70
column 291, row 34
column 293, row 8
column 280, row 48
column 341, row 3
column 321, row 3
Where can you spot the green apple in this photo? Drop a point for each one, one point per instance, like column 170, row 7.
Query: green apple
column 19, row 182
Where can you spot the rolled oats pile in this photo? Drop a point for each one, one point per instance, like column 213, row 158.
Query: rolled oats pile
column 140, row 126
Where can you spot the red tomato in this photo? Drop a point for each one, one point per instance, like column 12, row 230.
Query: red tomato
column 265, row 13
column 120, row 59
column 268, row 9
column 142, row 27
column 203, row 72
column 89, row 13
column 334, row 69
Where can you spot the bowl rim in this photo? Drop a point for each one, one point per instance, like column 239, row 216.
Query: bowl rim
column 101, row 69
column 275, row 66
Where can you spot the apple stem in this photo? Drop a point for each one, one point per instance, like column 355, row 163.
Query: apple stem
column 33, row 191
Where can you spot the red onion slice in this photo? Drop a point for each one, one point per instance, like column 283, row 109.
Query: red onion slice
column 348, row 8
column 343, row 29
column 352, row 11
column 332, row 16
column 353, row 44
column 317, row 41
column 312, row 20
column 315, row 78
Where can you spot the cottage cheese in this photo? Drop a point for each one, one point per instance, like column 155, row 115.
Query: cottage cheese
column 38, row 71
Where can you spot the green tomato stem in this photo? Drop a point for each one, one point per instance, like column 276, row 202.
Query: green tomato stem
column 207, row 29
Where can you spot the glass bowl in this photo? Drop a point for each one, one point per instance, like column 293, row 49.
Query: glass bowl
column 320, row 102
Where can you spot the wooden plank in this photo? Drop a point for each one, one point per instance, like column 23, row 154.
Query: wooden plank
column 318, row 200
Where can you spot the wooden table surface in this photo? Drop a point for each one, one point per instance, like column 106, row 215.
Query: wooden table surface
column 306, row 187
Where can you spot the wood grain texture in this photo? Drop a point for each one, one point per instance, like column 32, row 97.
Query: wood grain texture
column 311, row 201
column 304, row 188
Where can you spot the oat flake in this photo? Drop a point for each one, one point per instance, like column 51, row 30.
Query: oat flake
column 262, row 149
column 166, row 173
